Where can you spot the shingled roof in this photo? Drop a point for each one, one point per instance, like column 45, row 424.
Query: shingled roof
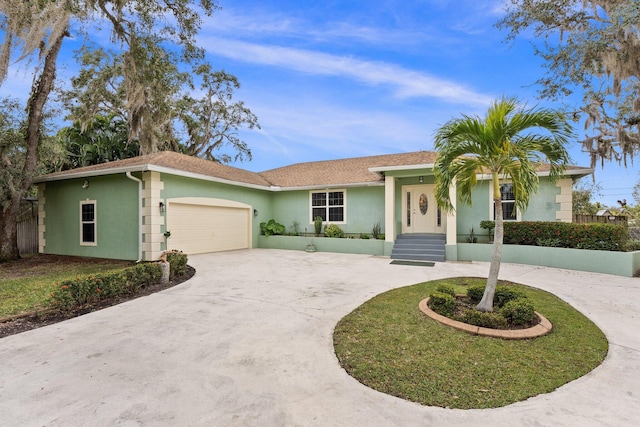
column 164, row 160
column 343, row 171
column 339, row 172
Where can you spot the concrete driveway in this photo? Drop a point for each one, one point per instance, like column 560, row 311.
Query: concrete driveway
column 248, row 342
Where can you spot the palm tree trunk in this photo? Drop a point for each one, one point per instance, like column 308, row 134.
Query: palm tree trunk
column 486, row 304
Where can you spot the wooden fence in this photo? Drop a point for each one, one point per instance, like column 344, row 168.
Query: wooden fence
column 604, row 219
column 28, row 236
column 28, row 226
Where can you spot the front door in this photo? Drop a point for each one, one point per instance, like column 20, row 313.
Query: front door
column 420, row 212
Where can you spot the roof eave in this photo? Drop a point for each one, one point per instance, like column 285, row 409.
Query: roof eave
column 579, row 173
column 379, row 169
column 92, row 173
column 325, row 186
column 145, row 168
column 186, row 174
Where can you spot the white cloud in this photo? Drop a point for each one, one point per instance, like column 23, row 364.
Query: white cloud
column 405, row 83
column 259, row 24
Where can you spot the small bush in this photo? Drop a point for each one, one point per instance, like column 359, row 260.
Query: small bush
column 505, row 294
column 177, row 263
column 475, row 293
column 472, row 236
column 317, row 225
column 518, row 312
column 442, row 303
column 502, row 295
column 271, row 228
column 633, row 245
column 333, row 230
column 489, row 226
column 364, row 236
column 483, row 319
column 376, row 230
column 446, row 289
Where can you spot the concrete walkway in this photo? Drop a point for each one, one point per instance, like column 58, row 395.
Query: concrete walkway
column 248, row 342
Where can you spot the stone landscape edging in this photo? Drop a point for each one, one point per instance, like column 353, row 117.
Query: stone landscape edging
column 542, row 328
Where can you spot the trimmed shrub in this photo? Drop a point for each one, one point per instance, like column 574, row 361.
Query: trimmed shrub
column 442, row 303
column 446, row 289
column 87, row 290
column 594, row 236
column 333, row 230
column 502, row 295
column 475, row 293
column 483, row 319
column 518, row 312
column 505, row 294
column 177, row 263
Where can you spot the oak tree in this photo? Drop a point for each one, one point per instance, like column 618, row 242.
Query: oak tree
column 593, row 47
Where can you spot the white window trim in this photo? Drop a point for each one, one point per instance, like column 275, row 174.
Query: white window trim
column 344, row 204
column 491, row 205
column 95, row 222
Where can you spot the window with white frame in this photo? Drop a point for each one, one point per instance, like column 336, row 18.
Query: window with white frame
column 88, row 230
column 328, row 205
column 509, row 211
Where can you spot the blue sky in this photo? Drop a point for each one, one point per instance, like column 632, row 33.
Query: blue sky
column 352, row 78
column 338, row 79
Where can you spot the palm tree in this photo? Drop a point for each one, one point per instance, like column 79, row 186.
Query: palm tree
column 507, row 144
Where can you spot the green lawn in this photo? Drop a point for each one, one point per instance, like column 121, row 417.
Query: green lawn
column 26, row 284
column 389, row 345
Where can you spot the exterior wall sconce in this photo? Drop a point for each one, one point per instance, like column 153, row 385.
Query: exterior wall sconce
column 255, row 212
column 421, row 179
column 162, row 207
column 85, row 184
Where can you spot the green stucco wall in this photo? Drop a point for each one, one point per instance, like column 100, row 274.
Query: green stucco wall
column 116, row 199
column 365, row 207
column 542, row 207
column 470, row 215
column 326, row 244
column 618, row 263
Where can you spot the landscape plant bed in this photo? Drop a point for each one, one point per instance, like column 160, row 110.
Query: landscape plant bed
column 389, row 345
column 540, row 326
column 37, row 266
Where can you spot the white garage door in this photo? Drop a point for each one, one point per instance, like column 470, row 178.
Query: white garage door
column 197, row 228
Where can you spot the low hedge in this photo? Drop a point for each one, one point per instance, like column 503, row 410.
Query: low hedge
column 177, row 263
column 594, row 236
column 81, row 291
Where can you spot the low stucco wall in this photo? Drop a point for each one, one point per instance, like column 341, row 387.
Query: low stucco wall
column 618, row 263
column 327, row 244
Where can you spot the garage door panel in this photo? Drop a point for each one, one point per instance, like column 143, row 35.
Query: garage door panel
column 200, row 228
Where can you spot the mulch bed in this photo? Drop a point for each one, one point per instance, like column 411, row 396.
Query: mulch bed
column 36, row 320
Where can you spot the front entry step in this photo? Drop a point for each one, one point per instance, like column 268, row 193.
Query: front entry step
column 419, row 247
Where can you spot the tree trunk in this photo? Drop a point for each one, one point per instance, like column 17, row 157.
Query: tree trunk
column 486, row 304
column 9, row 232
column 35, row 107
